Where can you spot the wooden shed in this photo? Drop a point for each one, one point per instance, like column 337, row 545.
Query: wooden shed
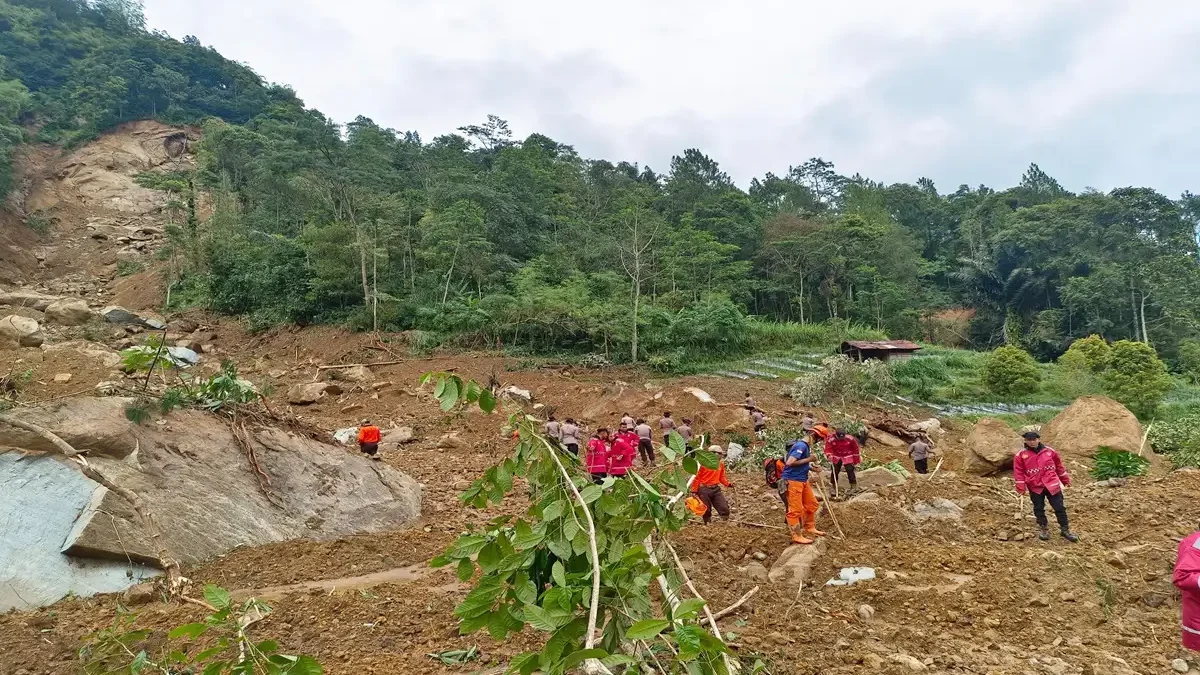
column 884, row 350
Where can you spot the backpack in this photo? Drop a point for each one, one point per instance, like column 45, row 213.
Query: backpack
column 773, row 471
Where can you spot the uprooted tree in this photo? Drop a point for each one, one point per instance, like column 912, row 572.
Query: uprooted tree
column 581, row 562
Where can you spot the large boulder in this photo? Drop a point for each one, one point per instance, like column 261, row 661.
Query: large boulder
column 198, row 482
column 31, row 299
column 20, row 331
column 95, row 425
column 1093, row 422
column 990, row 447
column 69, row 312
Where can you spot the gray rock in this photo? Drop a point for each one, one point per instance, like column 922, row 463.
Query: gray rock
column 877, row 477
column 39, row 505
column 937, row 509
column 452, row 441
column 795, row 563
column 196, row 482
column 399, row 435
column 756, row 571
column 69, row 312
column 182, row 356
column 307, row 394
column 866, row 613
column 360, row 374
column 94, row 351
column 1179, row 666
column 911, row 662
column 116, row 314
column 20, row 331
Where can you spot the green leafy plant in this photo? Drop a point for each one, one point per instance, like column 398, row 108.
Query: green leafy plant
column 1112, row 463
column 579, row 564
column 224, row 389
column 1011, row 372
column 1091, row 353
column 841, row 379
column 127, row 268
column 219, row 645
column 1136, row 377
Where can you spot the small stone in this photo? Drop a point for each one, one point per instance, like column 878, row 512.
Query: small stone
column 351, row 408
column 1130, row 641
column 1039, row 601
column 1154, row 600
column 62, row 378
column 1117, row 560
column 911, row 662
column 866, row 613
column 1020, row 536
column 756, row 571
column 873, row 661
column 1179, row 666
column 760, row 556
column 1066, row 597
column 1002, row 535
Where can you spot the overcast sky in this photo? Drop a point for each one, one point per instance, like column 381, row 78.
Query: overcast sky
column 1101, row 93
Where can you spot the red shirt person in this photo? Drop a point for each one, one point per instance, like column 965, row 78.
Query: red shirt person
column 843, row 452
column 1187, row 580
column 1038, row 470
column 596, row 459
column 620, row 456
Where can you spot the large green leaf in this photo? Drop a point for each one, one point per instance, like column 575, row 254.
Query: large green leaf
column 188, row 630
column 688, row 609
column 466, row 570
column 217, row 597
column 542, row 620
column 591, row 493
column 554, row 510
column 646, row 629
column 449, row 396
column 487, row 400
column 525, row 537
column 559, row 574
column 708, row 460
column 489, row 558
column 581, row 656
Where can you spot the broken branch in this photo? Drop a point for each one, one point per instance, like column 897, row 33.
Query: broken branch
column 730, row 609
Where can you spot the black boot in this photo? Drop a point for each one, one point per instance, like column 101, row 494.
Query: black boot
column 1044, row 534
column 1070, row 536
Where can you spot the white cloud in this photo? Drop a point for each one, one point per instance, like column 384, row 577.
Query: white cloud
column 758, row 84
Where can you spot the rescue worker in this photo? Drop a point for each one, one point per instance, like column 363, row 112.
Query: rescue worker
column 569, row 435
column 627, row 420
column 554, row 430
column 707, row 487
column 760, row 423
column 666, row 425
column 597, row 456
column 844, row 453
column 1187, row 580
column 368, row 439
column 797, row 494
column 620, row 456
column 627, row 433
column 644, row 444
column 749, row 402
column 919, row 451
column 808, row 422
column 1038, row 470
column 685, row 432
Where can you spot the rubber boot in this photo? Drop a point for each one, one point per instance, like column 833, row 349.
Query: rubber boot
column 1070, row 536
column 800, row 539
column 814, row 532
column 1044, row 534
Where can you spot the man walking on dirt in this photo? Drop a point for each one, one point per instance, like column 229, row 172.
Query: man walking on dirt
column 760, row 423
column 685, row 432
column 1038, row 470
column 797, row 493
column 707, row 487
column 645, row 444
column 843, row 453
column 666, row 425
column 628, row 421
column 920, row 451
column 368, row 439
column 570, row 436
column 553, row 430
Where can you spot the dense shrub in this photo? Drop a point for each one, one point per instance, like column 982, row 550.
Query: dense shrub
column 1090, row 353
column 1136, row 377
column 1111, row 463
column 1011, row 372
column 842, row 379
column 1189, row 360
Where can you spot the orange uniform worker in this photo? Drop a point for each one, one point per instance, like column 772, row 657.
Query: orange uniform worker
column 707, row 486
column 368, row 439
column 801, row 503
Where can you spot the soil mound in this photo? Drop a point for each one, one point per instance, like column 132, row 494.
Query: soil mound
column 1092, row 422
column 990, row 447
column 872, row 518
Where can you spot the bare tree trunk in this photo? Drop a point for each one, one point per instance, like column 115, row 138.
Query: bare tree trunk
column 1133, row 304
column 375, row 279
column 450, row 273
column 1142, row 310
column 637, row 296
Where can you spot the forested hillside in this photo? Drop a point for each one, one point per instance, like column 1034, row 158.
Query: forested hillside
column 478, row 237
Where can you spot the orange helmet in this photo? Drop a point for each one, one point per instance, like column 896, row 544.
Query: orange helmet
column 822, row 431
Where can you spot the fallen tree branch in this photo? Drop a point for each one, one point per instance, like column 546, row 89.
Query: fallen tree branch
column 355, row 365
column 175, row 578
column 829, row 507
column 937, row 468
column 730, row 664
column 732, row 608
column 760, row 525
column 590, row 666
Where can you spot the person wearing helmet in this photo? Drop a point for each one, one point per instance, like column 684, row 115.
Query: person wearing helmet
column 1039, row 471
column 368, row 439
column 707, row 487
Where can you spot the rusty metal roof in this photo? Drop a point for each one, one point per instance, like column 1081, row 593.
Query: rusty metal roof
column 883, row 345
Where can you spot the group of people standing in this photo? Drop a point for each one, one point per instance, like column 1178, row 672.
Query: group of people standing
column 613, row 454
